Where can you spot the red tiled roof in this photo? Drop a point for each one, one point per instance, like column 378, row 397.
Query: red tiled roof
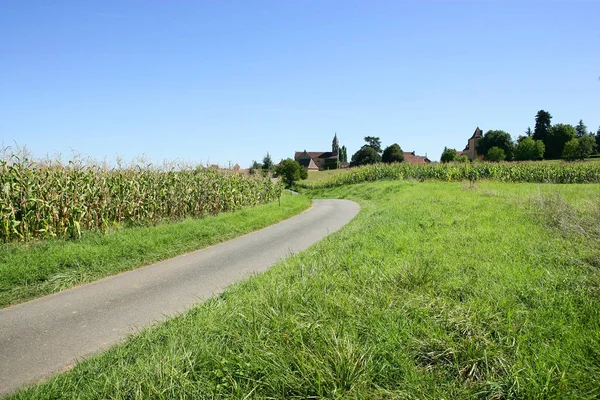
column 412, row 158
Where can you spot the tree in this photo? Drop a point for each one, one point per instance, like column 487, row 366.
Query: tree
column 461, row 159
column 581, row 129
column 267, row 164
column 373, row 142
column 496, row 138
column 528, row 131
column 331, row 163
column 542, row 125
column 392, row 154
column 343, row 154
column 255, row 167
column 587, row 146
column 598, row 140
column 555, row 142
column 290, row 171
column 495, row 154
column 448, row 155
column 366, row 155
column 529, row 149
column 579, row 148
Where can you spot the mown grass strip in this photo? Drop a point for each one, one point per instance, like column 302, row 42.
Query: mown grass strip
column 435, row 290
column 29, row 270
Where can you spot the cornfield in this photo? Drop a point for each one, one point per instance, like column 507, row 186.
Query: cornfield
column 534, row 172
column 40, row 201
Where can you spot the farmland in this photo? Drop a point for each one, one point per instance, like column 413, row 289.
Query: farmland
column 40, row 201
column 533, row 172
column 67, row 225
column 436, row 290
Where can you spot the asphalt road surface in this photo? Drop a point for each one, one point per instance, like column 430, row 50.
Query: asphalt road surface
column 48, row 335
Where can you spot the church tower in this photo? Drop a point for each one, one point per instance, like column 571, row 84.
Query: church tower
column 335, row 146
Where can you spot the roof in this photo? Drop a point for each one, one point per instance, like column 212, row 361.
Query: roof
column 477, row 133
column 412, row 158
column 312, row 154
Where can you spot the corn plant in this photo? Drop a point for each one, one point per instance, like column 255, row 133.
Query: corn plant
column 40, row 200
column 533, row 172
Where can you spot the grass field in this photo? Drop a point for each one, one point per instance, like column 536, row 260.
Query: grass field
column 435, row 290
column 314, row 176
column 29, row 270
column 586, row 161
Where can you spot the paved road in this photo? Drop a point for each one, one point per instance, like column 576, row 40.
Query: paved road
column 49, row 334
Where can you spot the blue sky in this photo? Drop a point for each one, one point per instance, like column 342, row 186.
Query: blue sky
column 227, row 81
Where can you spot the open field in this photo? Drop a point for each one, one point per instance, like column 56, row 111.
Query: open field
column 33, row 269
column 435, row 290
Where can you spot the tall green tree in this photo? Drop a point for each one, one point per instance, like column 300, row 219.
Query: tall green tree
column 373, row 142
column 496, row 138
column 543, row 123
column 555, row 142
column 581, row 129
column 598, row 140
column 448, row 155
column 392, row 154
column 343, row 154
column 528, row 131
column 267, row 164
column 366, row 155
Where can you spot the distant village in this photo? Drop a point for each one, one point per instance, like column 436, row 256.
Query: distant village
column 337, row 158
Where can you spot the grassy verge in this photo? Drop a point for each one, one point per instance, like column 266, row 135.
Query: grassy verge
column 34, row 269
column 435, row 290
column 314, row 176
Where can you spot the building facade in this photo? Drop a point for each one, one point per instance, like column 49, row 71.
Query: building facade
column 320, row 160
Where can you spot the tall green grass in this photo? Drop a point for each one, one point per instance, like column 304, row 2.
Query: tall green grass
column 533, row 172
column 39, row 201
column 435, row 290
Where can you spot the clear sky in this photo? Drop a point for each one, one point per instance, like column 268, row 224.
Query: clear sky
column 227, row 81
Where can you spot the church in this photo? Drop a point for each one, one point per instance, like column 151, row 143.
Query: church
column 320, row 160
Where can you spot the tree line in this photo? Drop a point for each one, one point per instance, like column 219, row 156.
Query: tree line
column 546, row 141
column 372, row 153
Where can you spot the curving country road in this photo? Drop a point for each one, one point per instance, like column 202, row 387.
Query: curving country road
column 48, row 335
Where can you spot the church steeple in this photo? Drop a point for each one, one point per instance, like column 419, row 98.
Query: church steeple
column 335, row 146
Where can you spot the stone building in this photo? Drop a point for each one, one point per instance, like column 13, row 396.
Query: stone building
column 471, row 150
column 320, row 160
